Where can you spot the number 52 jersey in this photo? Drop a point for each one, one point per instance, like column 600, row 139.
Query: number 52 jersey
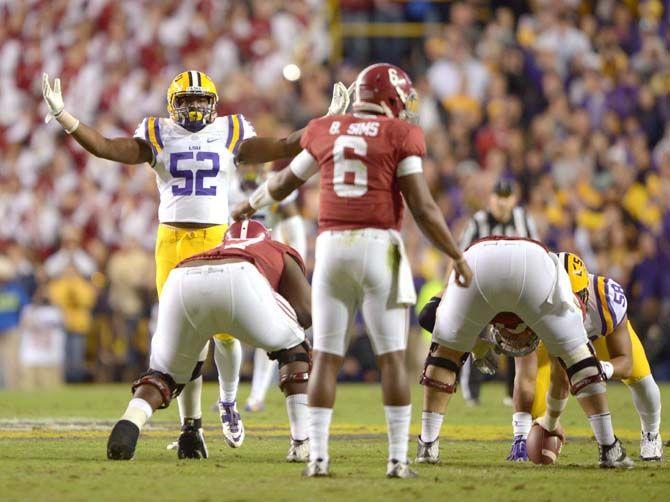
column 194, row 169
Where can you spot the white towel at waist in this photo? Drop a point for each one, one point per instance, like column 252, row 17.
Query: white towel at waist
column 406, row 294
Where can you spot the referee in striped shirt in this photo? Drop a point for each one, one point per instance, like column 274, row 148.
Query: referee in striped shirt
column 503, row 217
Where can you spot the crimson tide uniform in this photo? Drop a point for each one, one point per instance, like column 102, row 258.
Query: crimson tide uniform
column 360, row 258
column 512, row 276
column 238, row 296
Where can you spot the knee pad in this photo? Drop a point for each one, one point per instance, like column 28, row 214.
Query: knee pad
column 428, row 314
column 164, row 383
column 584, row 371
column 285, row 357
column 442, row 362
column 197, row 371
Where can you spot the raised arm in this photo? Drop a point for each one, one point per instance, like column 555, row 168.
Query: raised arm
column 259, row 149
column 264, row 149
column 430, row 221
column 126, row 150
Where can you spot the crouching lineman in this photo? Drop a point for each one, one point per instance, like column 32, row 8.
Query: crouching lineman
column 250, row 285
column 617, row 346
column 520, row 285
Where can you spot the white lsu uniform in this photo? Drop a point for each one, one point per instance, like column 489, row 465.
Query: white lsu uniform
column 511, row 275
column 194, row 170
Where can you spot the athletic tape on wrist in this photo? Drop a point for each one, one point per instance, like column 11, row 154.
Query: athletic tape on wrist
column 556, row 404
column 262, row 197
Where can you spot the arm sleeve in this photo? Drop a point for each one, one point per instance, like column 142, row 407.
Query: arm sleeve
column 414, row 143
column 304, row 166
column 246, row 129
column 617, row 304
column 239, row 129
column 308, row 137
column 142, row 132
column 409, row 165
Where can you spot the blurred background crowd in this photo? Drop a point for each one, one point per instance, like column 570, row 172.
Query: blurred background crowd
column 570, row 98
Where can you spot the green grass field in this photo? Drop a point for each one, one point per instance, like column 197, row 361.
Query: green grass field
column 52, row 447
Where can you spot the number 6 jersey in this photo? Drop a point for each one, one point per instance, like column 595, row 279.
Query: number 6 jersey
column 194, row 169
column 360, row 157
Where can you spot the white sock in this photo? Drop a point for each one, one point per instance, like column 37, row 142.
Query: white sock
column 521, row 423
column 397, row 424
column 319, row 426
column 138, row 412
column 601, row 425
column 431, row 423
column 228, row 359
column 647, row 400
column 298, row 416
column 264, row 371
column 189, row 400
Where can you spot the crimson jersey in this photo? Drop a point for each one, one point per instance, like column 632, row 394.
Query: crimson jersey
column 267, row 255
column 360, row 158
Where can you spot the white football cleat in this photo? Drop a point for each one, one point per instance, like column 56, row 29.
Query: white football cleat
column 316, row 468
column 427, row 453
column 614, row 456
column 401, row 470
column 298, row 451
column 651, row 447
column 231, row 423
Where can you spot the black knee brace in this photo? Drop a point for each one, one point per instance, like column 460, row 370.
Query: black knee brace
column 164, row 383
column 284, row 357
column 442, row 363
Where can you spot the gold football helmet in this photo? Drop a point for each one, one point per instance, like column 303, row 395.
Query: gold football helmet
column 578, row 274
column 183, row 104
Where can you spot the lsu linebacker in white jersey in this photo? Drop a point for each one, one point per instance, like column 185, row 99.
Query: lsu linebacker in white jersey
column 193, row 154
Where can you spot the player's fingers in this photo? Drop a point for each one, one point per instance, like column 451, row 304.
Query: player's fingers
column 45, row 83
column 57, row 86
column 351, row 89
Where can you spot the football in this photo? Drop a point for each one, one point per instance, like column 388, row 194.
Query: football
column 542, row 447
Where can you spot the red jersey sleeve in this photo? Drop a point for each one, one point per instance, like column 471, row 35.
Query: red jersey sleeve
column 308, row 137
column 414, row 143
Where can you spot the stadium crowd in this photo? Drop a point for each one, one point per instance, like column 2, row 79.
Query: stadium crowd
column 571, row 99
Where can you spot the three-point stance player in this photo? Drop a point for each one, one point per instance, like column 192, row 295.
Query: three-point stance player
column 251, row 286
column 369, row 161
column 616, row 345
column 519, row 284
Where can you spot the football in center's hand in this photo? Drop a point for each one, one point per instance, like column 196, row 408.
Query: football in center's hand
column 542, row 446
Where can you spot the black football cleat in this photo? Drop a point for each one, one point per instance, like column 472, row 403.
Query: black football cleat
column 191, row 443
column 122, row 441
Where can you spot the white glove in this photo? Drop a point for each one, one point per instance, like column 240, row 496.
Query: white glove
column 340, row 100
column 54, row 100
column 608, row 369
column 53, row 97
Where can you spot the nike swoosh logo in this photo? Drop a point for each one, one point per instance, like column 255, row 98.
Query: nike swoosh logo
column 210, row 140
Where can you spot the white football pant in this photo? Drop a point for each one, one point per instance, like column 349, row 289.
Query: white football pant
column 357, row 268
column 509, row 276
column 234, row 297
